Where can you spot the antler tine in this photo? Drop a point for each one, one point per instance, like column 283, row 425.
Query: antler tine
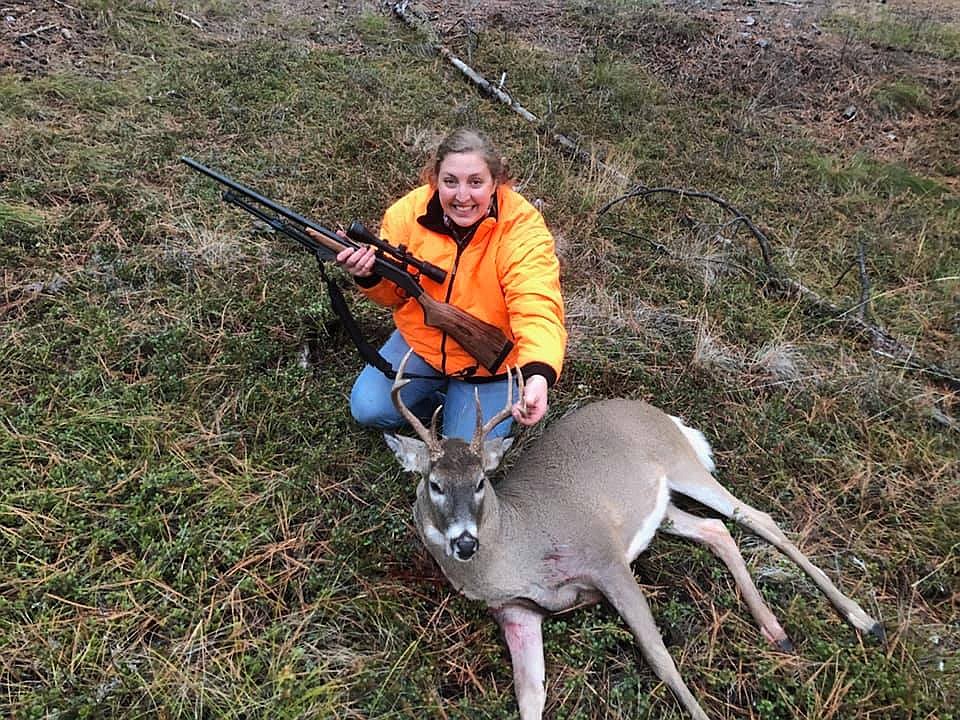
column 507, row 411
column 478, row 432
column 429, row 437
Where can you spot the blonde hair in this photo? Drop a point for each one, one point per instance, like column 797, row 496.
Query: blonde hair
column 467, row 140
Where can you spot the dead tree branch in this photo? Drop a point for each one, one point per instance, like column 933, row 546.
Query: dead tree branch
column 664, row 250
column 644, row 192
column 403, row 11
column 854, row 321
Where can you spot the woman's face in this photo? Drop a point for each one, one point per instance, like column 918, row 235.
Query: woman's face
column 465, row 186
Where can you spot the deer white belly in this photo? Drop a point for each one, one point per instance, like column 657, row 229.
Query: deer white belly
column 652, row 521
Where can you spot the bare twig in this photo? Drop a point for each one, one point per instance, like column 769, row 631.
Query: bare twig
column 189, row 19
column 842, row 275
column 403, row 11
column 854, row 320
column 864, row 309
column 644, row 192
column 36, row 31
column 664, row 250
column 659, row 247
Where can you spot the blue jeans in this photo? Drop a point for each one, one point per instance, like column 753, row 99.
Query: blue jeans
column 371, row 405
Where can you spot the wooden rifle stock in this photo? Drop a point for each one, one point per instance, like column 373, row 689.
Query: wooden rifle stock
column 486, row 343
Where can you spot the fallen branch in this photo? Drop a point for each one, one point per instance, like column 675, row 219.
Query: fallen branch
column 192, row 21
column 664, row 250
column 854, row 320
column 403, row 11
column 643, row 192
column 36, row 31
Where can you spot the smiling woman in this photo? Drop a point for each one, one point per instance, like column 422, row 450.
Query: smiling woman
column 501, row 267
column 466, row 179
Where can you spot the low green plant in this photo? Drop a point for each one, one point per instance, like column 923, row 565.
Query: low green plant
column 864, row 174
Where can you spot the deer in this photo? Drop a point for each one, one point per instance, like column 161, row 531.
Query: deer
column 562, row 527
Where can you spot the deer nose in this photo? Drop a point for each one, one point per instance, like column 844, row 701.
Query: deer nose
column 464, row 546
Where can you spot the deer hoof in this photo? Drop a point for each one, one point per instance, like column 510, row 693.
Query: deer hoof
column 785, row 644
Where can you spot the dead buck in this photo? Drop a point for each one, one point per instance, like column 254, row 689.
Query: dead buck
column 563, row 526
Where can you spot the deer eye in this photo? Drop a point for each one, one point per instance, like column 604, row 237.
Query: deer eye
column 480, row 485
column 435, row 488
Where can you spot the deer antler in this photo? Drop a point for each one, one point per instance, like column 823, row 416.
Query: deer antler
column 482, row 430
column 429, row 437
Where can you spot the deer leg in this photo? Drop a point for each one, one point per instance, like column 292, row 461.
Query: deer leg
column 714, row 534
column 521, row 628
column 697, row 483
column 621, row 589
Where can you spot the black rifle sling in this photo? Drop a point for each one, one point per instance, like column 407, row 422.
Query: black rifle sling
column 370, row 355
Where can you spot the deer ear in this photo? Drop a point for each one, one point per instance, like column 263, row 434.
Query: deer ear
column 493, row 451
column 412, row 454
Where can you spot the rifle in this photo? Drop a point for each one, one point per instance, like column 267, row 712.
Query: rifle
column 485, row 342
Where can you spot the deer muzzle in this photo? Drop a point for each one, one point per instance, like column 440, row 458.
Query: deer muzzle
column 464, row 546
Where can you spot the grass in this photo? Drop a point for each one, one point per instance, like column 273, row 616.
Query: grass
column 899, row 97
column 192, row 526
column 920, row 32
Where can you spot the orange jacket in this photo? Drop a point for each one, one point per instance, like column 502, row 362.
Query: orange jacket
column 507, row 275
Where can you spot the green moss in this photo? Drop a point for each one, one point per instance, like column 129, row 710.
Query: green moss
column 12, row 216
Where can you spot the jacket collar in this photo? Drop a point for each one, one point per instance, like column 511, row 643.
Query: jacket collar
column 436, row 220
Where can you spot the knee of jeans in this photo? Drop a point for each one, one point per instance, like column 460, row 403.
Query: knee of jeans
column 464, row 426
column 501, row 430
column 370, row 413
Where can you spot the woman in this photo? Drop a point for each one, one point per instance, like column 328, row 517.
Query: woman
column 501, row 267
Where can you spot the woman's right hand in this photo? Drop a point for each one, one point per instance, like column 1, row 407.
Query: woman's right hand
column 358, row 261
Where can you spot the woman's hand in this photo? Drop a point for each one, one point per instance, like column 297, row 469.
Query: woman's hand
column 533, row 405
column 358, row 261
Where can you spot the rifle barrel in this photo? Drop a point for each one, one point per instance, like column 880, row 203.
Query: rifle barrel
column 257, row 197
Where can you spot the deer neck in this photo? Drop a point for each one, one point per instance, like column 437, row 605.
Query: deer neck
column 491, row 524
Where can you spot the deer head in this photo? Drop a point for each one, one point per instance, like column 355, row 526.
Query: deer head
column 454, row 472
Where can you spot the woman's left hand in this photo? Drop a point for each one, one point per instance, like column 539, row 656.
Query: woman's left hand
column 533, row 405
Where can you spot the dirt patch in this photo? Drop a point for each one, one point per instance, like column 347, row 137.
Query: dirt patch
column 38, row 36
column 782, row 55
